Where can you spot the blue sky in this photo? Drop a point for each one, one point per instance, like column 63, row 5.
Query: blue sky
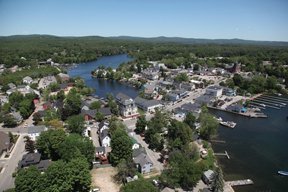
column 212, row 19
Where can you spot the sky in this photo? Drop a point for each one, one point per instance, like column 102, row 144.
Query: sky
column 209, row 19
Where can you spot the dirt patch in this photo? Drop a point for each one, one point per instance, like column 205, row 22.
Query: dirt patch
column 103, row 178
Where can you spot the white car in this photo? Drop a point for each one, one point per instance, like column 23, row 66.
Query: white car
column 95, row 190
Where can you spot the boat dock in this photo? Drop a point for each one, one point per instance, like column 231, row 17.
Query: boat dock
column 223, row 154
column 240, row 182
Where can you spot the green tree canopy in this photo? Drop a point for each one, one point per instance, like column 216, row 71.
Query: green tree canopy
column 121, row 147
column 141, row 185
column 48, row 143
column 75, row 124
column 141, row 124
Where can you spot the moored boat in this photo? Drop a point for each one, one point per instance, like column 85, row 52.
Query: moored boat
column 285, row 173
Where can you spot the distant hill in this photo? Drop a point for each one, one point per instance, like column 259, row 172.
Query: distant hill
column 160, row 39
column 202, row 41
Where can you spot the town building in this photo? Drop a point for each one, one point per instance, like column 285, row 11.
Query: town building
column 46, row 81
column 215, row 91
column 27, row 80
column 208, row 177
column 143, row 163
column 126, row 105
column 105, row 138
column 35, row 131
column 148, row 105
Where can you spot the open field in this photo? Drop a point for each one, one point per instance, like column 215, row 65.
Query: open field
column 103, row 178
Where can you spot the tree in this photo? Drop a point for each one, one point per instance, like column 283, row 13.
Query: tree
column 141, row 185
column 190, row 120
column 27, row 180
column 99, row 116
column 11, row 137
column 141, row 124
column 9, row 121
column 29, row 145
column 121, row 147
column 75, row 146
column 182, row 77
column 218, row 183
column 208, row 123
column 182, row 171
column 80, row 174
column 124, row 169
column 179, row 134
column 48, row 143
column 72, row 104
column 75, row 124
column 95, row 105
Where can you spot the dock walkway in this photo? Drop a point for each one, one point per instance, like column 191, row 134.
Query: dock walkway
column 240, row 182
column 223, row 154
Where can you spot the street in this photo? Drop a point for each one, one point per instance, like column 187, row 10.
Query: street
column 11, row 163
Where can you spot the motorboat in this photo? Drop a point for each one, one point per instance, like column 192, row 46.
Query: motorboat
column 285, row 173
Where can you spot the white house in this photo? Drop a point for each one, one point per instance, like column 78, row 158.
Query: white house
column 215, row 91
column 35, row 131
column 27, row 80
column 103, row 125
column 126, row 105
column 104, row 138
column 46, row 81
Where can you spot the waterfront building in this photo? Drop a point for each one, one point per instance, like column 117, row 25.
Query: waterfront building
column 126, row 105
column 215, row 91
column 147, row 105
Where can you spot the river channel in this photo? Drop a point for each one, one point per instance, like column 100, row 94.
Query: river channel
column 103, row 86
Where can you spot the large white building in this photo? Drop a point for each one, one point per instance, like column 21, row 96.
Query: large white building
column 215, row 91
column 127, row 105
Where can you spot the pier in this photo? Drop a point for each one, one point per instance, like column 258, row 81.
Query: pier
column 240, row 182
column 223, row 154
column 283, row 102
column 218, row 141
column 265, row 103
column 276, row 98
column 275, row 103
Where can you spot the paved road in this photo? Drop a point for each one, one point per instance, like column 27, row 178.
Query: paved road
column 94, row 134
column 10, row 164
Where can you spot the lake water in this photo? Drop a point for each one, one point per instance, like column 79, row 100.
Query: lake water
column 102, row 86
column 257, row 149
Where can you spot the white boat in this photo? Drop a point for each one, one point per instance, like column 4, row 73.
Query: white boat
column 263, row 105
column 230, row 124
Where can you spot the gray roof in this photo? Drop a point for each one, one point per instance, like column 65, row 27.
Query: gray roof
column 124, row 99
column 138, row 151
column 44, row 164
column 146, row 103
column 100, row 149
column 105, row 111
column 36, row 129
column 17, row 116
column 30, row 159
column 142, row 159
column 102, row 123
column 4, row 140
column 190, row 107
column 103, row 134
column 209, row 174
column 91, row 113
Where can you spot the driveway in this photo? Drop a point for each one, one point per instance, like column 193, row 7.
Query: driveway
column 11, row 163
